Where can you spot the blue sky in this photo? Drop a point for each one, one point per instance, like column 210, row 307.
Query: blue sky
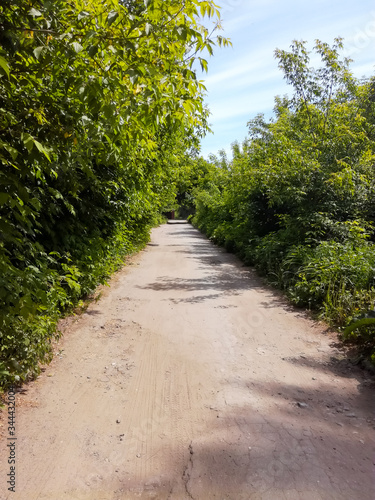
column 242, row 81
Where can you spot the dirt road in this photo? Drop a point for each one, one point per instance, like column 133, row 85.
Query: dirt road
column 191, row 380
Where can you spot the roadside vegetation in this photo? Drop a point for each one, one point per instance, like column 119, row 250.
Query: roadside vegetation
column 101, row 114
column 99, row 106
column 298, row 198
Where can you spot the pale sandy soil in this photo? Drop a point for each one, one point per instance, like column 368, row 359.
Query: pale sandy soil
column 190, row 379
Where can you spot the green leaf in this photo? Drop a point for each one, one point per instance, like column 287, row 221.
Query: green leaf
column 204, row 64
column 92, row 50
column 203, row 8
column 42, row 149
column 28, row 141
column 133, row 75
column 11, row 150
column 4, row 66
column 38, row 51
column 112, row 16
column 182, row 32
column 4, row 197
column 366, row 320
column 188, row 106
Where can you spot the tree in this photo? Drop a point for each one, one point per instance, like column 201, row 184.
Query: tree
column 315, row 88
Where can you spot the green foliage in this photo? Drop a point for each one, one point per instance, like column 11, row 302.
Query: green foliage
column 361, row 331
column 99, row 101
column 297, row 199
column 333, row 270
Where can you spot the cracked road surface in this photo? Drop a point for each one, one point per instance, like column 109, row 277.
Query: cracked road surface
column 190, row 379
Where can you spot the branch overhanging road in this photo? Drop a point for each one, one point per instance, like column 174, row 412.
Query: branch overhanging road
column 190, row 379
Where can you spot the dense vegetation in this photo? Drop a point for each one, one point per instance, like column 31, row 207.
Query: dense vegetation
column 101, row 114
column 99, row 106
column 298, row 198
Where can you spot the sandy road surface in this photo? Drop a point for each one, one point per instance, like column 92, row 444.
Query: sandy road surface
column 190, row 380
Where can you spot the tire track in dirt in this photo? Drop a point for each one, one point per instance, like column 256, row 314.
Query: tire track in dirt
column 190, row 379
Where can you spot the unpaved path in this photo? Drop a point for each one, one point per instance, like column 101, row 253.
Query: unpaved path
column 191, row 380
